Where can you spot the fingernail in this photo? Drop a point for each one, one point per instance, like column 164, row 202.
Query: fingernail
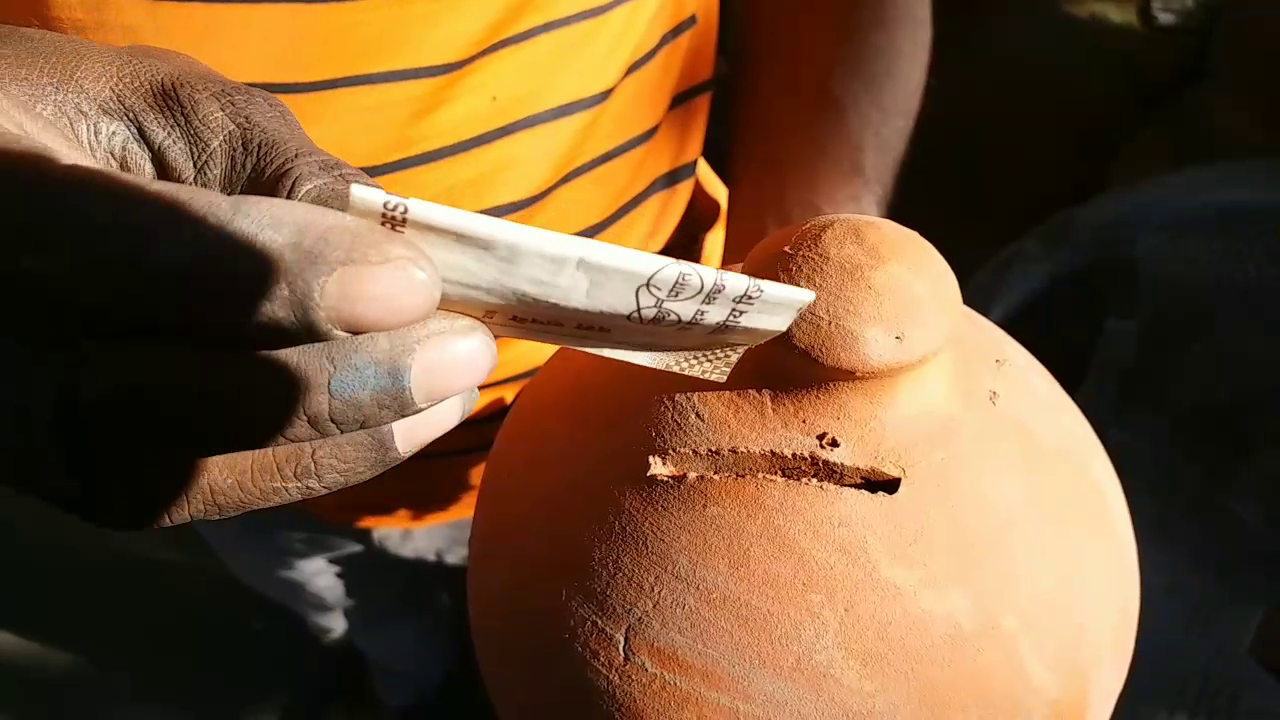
column 451, row 363
column 372, row 298
column 417, row 431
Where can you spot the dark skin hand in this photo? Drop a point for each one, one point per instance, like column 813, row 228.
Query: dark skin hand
column 824, row 96
column 183, row 341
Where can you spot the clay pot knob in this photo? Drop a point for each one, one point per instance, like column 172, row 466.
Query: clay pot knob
column 886, row 298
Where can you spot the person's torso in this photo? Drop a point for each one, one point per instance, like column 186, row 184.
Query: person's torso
column 581, row 116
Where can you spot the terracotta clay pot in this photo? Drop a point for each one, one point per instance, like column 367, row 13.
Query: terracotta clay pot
column 892, row 511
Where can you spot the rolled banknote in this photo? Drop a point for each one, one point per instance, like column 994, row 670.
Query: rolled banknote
column 617, row 302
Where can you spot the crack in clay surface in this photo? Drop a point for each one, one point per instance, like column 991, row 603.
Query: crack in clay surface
column 630, row 656
column 742, row 462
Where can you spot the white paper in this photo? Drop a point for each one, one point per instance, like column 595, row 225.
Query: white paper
column 534, row 284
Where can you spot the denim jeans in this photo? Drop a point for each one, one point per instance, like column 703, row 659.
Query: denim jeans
column 398, row 595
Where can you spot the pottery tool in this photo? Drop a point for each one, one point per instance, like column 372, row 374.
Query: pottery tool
column 638, row 307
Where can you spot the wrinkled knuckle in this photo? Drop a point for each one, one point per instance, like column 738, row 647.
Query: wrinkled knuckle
column 204, row 128
column 179, row 513
column 234, row 484
column 182, row 122
column 223, row 142
column 102, row 91
column 270, row 472
column 310, row 175
column 303, row 467
column 218, row 492
column 337, row 465
column 253, row 109
column 235, row 138
column 318, row 415
column 331, row 414
column 286, row 474
column 297, row 168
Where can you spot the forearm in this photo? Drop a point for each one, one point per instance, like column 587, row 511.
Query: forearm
column 824, row 96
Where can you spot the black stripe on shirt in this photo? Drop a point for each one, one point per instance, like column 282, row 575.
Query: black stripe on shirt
column 682, row 97
column 539, row 118
column 258, row 2
column 663, row 182
column 430, row 71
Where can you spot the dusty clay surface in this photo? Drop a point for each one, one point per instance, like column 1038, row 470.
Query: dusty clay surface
column 885, row 300
column 891, row 512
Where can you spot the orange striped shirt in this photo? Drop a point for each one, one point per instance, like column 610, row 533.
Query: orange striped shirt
column 580, row 116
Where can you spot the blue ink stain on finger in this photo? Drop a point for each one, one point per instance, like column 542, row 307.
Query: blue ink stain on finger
column 365, row 378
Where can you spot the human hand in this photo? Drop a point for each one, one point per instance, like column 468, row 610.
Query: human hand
column 159, row 114
column 175, row 353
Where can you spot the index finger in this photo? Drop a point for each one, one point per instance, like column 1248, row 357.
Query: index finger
column 97, row 253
